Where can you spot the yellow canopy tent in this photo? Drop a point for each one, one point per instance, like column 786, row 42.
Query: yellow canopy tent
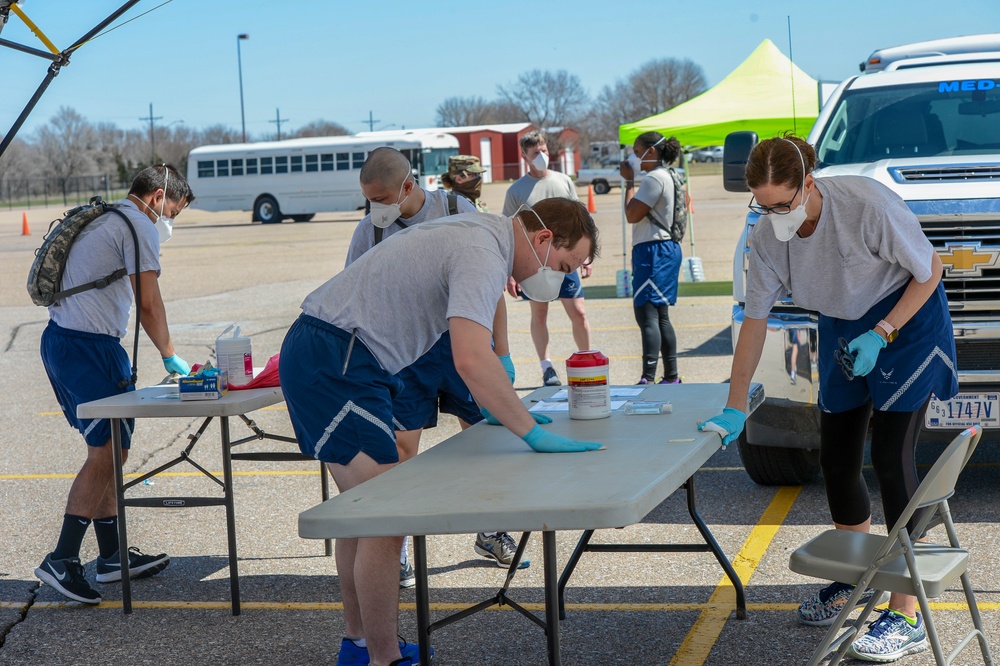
column 766, row 93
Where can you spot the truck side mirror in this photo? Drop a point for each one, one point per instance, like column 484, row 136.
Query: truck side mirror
column 734, row 160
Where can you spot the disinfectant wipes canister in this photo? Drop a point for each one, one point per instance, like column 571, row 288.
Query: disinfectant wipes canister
column 235, row 356
column 589, row 390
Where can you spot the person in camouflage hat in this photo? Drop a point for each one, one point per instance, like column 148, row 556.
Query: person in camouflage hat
column 465, row 177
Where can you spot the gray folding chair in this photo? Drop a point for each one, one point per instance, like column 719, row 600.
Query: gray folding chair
column 895, row 563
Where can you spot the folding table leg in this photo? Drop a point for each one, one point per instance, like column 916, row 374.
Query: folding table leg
column 713, row 545
column 227, row 477
column 116, row 452
column 551, row 597
column 423, row 598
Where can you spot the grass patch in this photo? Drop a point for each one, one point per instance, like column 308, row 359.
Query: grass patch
column 683, row 289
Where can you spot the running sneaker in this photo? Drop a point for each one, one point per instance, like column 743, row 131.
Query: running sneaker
column 889, row 638
column 66, row 577
column 140, row 565
column 550, row 378
column 352, row 655
column 671, row 381
column 822, row 609
column 642, row 381
column 500, row 547
column 407, row 578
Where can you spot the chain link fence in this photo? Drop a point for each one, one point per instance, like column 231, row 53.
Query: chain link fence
column 25, row 193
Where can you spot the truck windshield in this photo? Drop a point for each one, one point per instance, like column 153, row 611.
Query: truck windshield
column 912, row 121
column 435, row 160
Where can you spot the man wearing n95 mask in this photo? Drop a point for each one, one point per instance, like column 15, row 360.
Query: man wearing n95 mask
column 538, row 184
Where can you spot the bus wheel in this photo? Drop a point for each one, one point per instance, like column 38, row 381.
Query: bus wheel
column 303, row 218
column 266, row 210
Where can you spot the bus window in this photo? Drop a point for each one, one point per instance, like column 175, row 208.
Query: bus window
column 312, row 163
column 206, row 168
column 236, row 167
column 281, row 164
column 357, row 160
column 222, row 168
column 296, row 164
column 326, row 161
column 251, row 166
column 343, row 161
column 266, row 165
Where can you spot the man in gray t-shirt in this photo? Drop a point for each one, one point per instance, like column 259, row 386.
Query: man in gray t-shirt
column 538, row 184
column 83, row 357
column 379, row 315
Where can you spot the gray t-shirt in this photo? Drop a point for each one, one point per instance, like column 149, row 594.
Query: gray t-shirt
column 399, row 295
column 104, row 246
column 529, row 190
column 435, row 206
column 657, row 192
column 866, row 245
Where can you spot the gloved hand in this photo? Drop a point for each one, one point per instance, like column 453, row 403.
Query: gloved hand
column 492, row 420
column 176, row 364
column 729, row 424
column 865, row 349
column 544, row 441
column 508, row 365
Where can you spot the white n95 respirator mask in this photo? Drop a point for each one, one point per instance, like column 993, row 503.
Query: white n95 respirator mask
column 546, row 283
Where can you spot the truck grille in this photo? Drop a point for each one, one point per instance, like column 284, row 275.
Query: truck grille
column 977, row 242
column 972, row 172
column 977, row 355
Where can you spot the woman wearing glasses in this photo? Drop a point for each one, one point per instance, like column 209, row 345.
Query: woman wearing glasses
column 849, row 248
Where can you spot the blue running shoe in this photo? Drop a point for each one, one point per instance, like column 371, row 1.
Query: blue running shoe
column 352, row 655
column 823, row 608
column 889, row 638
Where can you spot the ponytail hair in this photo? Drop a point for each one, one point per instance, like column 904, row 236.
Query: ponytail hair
column 668, row 150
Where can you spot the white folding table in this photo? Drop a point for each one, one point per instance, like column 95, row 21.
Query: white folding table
column 440, row 492
column 163, row 402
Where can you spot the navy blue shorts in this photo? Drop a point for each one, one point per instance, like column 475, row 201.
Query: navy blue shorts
column 430, row 385
column 656, row 267
column 571, row 287
column 921, row 360
column 83, row 367
column 335, row 416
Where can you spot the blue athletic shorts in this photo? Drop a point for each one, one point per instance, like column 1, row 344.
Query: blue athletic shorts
column 335, row 416
column 430, row 385
column 571, row 287
column 921, row 360
column 83, row 367
column 656, row 267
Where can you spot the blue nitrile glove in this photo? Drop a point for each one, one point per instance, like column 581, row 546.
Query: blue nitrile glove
column 544, row 441
column 492, row 420
column 176, row 364
column 508, row 365
column 729, row 424
column 865, row 348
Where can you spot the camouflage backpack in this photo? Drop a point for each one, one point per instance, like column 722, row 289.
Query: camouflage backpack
column 45, row 276
column 678, row 225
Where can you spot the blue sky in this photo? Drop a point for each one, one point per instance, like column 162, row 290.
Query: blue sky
column 338, row 60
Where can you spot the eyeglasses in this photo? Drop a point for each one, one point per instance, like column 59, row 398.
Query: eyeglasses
column 845, row 358
column 780, row 209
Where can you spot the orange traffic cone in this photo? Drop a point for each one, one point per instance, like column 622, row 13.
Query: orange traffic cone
column 591, row 206
column 25, row 229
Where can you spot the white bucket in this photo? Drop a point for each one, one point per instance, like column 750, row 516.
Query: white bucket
column 589, row 389
column 234, row 355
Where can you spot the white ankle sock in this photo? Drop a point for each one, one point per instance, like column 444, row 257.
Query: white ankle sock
column 546, row 364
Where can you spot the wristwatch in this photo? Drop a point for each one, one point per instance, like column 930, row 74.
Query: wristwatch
column 890, row 331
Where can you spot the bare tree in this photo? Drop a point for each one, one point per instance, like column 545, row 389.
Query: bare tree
column 220, row 133
column 67, row 146
column 466, row 111
column 547, row 99
column 654, row 87
column 320, row 128
column 17, row 166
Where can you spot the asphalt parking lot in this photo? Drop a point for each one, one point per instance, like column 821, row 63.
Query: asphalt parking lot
column 622, row 608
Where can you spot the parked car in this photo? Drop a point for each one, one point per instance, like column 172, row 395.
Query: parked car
column 602, row 179
column 709, row 154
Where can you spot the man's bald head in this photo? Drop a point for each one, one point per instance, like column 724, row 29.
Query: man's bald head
column 386, row 166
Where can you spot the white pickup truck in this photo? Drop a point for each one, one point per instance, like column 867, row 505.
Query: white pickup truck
column 602, row 179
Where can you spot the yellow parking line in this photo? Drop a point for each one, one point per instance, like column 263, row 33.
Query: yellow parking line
column 304, row 472
column 698, row 643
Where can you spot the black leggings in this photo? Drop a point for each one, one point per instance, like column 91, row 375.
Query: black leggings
column 842, row 446
column 658, row 337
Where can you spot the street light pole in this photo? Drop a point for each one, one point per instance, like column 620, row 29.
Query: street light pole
column 239, row 62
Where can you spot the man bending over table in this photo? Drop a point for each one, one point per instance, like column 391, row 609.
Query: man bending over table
column 340, row 358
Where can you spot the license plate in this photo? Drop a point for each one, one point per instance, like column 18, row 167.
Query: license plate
column 964, row 410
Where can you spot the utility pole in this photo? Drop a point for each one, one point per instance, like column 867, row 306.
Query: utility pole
column 371, row 122
column 152, row 144
column 239, row 64
column 277, row 121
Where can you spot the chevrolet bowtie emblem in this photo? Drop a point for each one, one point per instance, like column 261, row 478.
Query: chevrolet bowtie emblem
column 964, row 260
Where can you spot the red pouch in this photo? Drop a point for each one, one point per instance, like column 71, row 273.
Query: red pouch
column 267, row 377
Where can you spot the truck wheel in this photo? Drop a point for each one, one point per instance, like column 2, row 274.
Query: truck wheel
column 266, row 210
column 303, row 218
column 777, row 466
column 601, row 187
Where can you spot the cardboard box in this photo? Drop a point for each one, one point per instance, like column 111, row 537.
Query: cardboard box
column 200, row 387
